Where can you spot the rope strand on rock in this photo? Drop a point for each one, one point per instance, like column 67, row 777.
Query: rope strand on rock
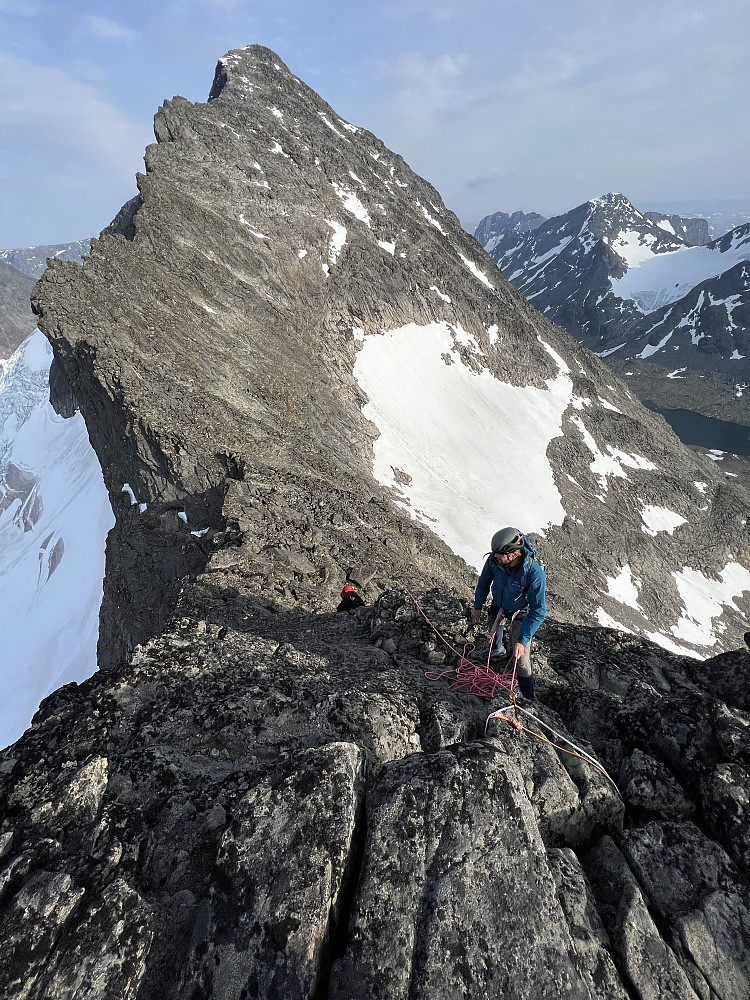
column 470, row 676
column 576, row 752
column 481, row 680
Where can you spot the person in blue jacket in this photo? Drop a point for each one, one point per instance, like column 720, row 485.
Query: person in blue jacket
column 518, row 583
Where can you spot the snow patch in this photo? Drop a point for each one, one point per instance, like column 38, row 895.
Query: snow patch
column 624, row 587
column 337, row 241
column 252, row 228
column 351, row 202
column 476, row 272
column 656, row 519
column 406, row 378
column 611, row 464
column 705, row 599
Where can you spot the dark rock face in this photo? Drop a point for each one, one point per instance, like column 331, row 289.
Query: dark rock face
column 694, row 232
column 492, row 228
column 258, row 797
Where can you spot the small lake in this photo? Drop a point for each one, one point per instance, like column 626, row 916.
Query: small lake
column 707, row 432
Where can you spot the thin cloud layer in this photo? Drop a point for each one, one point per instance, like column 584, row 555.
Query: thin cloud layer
column 59, row 140
column 110, row 30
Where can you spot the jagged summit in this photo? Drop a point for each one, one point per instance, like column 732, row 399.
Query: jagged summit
column 282, row 263
column 633, row 286
column 306, row 373
column 492, row 228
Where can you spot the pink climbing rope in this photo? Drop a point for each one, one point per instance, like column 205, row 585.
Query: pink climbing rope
column 470, row 676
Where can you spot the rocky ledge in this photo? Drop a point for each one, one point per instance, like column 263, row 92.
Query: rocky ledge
column 271, row 803
column 257, row 797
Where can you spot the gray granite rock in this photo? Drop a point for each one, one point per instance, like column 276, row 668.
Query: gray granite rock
column 255, row 793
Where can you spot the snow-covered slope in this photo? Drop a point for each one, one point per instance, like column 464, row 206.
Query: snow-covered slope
column 627, row 286
column 54, row 519
column 654, row 280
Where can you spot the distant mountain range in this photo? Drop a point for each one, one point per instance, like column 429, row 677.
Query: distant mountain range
column 19, row 269
column 636, row 287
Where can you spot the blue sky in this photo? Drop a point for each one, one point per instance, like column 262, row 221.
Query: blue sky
column 512, row 104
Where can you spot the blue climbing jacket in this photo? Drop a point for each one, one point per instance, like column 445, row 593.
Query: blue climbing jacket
column 522, row 590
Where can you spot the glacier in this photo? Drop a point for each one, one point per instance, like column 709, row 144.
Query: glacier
column 54, row 519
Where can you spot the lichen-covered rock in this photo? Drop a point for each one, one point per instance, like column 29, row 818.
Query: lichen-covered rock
column 650, row 966
column 593, row 950
column 715, row 937
column 455, row 896
column 282, row 871
column 648, row 786
column 256, row 796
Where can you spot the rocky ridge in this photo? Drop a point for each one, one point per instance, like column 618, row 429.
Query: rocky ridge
column 16, row 319
column 211, row 345
column 267, row 802
column 493, row 227
column 255, row 797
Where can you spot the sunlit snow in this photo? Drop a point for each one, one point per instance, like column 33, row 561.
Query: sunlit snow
column 443, row 428
column 654, row 280
column 705, row 599
column 54, row 519
column 624, row 587
column 656, row 519
column 611, row 464
column 337, row 241
column 351, row 202
column 475, row 271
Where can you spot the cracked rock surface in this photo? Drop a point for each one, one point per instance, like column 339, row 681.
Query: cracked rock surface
column 256, row 797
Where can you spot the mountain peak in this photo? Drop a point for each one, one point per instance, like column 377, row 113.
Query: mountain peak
column 299, row 372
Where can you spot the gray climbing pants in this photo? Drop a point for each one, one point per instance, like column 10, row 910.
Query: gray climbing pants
column 512, row 632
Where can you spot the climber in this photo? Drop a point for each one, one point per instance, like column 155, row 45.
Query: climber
column 350, row 599
column 518, row 582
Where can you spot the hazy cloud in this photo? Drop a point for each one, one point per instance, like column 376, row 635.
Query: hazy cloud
column 59, row 139
column 428, row 86
column 110, row 30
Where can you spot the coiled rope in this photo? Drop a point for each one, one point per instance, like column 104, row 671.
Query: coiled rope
column 480, row 679
column 471, row 676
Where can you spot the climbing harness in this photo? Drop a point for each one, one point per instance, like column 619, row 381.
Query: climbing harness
column 480, row 679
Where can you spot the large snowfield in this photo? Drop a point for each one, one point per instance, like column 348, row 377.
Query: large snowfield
column 654, row 280
column 54, row 519
column 465, row 454
column 473, row 447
